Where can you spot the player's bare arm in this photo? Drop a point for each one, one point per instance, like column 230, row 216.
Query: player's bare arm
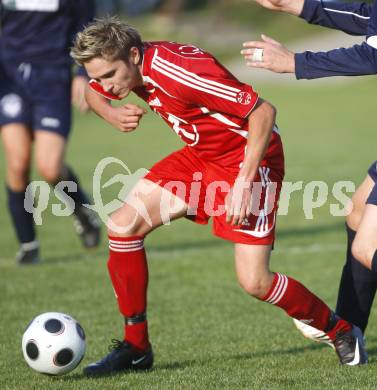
column 78, row 93
column 125, row 118
column 269, row 54
column 293, row 7
column 261, row 123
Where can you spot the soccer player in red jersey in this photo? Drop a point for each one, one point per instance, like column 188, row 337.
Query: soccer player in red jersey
column 233, row 149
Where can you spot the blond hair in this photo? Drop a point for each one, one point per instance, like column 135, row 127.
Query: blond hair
column 108, row 38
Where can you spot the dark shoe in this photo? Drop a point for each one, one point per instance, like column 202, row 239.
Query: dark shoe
column 123, row 356
column 350, row 347
column 87, row 226
column 28, row 254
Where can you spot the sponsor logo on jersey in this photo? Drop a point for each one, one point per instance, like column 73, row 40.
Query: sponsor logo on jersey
column 31, row 5
column 190, row 49
column 245, row 222
column 50, row 122
column 155, row 102
column 11, row 105
column 262, row 227
column 244, row 98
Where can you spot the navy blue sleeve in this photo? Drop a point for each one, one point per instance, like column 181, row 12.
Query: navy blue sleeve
column 352, row 18
column 354, row 61
column 372, row 27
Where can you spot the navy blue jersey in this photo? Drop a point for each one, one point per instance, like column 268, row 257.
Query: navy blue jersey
column 352, row 18
column 41, row 31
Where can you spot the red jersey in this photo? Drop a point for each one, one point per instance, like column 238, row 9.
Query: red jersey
column 199, row 99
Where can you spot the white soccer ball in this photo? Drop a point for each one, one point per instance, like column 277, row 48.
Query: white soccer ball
column 312, row 333
column 53, row 343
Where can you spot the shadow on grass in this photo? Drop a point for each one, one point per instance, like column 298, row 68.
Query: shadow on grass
column 289, row 351
column 79, row 376
column 257, row 355
column 184, row 364
column 254, row 356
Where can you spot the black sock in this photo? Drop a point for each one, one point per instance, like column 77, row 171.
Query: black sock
column 79, row 197
column 356, row 290
column 374, row 262
column 22, row 220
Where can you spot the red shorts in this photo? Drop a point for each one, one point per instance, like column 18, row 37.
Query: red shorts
column 203, row 185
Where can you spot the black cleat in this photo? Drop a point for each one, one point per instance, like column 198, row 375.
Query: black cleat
column 28, row 254
column 122, row 357
column 350, row 347
column 87, row 226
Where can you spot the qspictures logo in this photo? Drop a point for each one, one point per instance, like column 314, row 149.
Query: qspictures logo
column 130, row 189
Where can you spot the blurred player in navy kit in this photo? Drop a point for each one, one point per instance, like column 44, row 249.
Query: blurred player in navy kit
column 359, row 278
column 36, row 87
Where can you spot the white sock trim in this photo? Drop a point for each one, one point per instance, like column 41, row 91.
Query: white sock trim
column 279, row 290
column 29, row 246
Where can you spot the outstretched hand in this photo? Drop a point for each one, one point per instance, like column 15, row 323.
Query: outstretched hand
column 293, row 7
column 275, row 56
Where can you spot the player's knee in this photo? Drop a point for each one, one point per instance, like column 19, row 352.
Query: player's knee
column 127, row 223
column 18, row 170
column 355, row 209
column 50, row 172
column 254, row 286
column 353, row 217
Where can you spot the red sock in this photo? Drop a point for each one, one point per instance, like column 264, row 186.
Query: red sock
column 298, row 302
column 128, row 270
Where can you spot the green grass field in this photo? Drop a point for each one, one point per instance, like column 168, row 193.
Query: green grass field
column 205, row 331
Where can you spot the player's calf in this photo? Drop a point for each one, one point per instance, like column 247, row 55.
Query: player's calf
column 298, row 302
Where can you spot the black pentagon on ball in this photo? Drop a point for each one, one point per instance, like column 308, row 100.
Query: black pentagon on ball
column 63, row 357
column 80, row 331
column 53, row 325
column 32, row 350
